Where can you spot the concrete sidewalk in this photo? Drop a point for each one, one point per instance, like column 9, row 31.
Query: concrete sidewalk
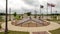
column 52, row 26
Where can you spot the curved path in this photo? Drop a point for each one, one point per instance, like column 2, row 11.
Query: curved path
column 52, row 26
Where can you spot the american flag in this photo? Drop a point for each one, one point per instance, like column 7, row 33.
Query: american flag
column 48, row 4
column 52, row 5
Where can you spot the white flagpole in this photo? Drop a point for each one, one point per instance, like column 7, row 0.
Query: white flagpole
column 47, row 11
column 40, row 11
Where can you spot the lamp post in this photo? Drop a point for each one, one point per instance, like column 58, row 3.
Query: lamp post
column 56, row 15
column 6, row 24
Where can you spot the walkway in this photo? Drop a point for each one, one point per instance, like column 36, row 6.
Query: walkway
column 52, row 26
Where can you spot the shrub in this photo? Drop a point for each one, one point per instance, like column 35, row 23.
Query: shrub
column 17, row 17
column 0, row 26
column 1, row 19
column 15, row 14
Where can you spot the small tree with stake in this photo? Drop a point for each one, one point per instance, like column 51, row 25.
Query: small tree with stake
column 15, row 14
column 29, row 14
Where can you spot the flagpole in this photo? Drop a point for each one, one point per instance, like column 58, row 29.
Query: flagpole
column 40, row 11
column 35, row 13
column 30, row 14
column 47, row 10
column 51, row 11
column 6, row 24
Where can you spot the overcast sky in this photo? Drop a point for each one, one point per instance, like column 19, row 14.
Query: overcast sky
column 21, row 6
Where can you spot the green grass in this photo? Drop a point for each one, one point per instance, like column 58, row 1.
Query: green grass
column 15, row 32
column 54, row 20
column 57, row 31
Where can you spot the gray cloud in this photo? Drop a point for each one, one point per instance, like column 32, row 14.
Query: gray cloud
column 36, row 4
column 32, row 2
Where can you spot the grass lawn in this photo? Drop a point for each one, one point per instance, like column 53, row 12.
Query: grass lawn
column 57, row 31
column 15, row 32
column 54, row 20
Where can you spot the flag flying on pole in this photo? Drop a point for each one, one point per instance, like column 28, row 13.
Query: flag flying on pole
column 41, row 6
column 48, row 4
column 52, row 5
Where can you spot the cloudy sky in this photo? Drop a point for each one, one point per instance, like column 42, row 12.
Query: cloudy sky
column 21, row 6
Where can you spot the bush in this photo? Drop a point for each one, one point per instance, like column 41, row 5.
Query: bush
column 15, row 14
column 17, row 17
column 1, row 19
column 48, row 19
column 0, row 26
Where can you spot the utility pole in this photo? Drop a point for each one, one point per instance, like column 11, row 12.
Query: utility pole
column 6, row 24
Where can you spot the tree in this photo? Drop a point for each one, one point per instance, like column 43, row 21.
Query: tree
column 15, row 14
column 0, row 26
column 18, row 17
column 29, row 13
column 2, row 14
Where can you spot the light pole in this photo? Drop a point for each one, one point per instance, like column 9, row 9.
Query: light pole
column 56, row 15
column 6, row 24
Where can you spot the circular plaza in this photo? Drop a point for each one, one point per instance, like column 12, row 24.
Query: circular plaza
column 34, row 26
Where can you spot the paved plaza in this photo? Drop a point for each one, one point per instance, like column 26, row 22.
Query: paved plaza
column 52, row 26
